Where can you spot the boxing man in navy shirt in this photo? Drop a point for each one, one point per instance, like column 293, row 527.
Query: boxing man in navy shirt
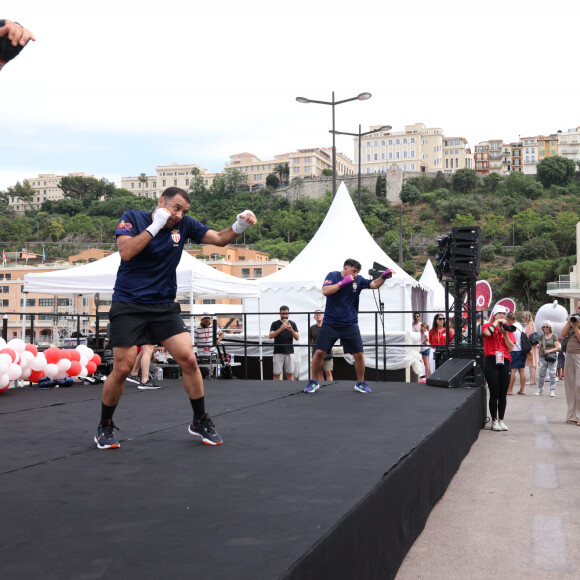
column 144, row 310
column 342, row 291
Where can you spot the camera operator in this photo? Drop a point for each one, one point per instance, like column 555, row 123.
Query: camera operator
column 572, row 367
column 498, row 341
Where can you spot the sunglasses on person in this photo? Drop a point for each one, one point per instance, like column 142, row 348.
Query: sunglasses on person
column 441, row 319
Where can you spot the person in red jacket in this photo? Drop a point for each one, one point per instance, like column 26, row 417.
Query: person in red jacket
column 438, row 333
column 498, row 341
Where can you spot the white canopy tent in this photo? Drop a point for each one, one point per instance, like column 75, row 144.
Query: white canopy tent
column 436, row 295
column 342, row 235
column 194, row 278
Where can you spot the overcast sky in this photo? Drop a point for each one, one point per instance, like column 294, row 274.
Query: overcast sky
column 114, row 88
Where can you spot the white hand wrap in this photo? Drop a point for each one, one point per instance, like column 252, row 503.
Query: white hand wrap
column 160, row 218
column 241, row 224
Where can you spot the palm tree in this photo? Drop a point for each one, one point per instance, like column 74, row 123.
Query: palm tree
column 283, row 170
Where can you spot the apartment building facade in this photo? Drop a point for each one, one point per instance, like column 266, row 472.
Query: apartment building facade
column 47, row 189
column 302, row 164
column 172, row 175
column 569, row 144
column 417, row 148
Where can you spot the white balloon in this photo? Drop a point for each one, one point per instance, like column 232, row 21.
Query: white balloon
column 84, row 360
column 6, row 357
column 38, row 362
column 61, row 375
column 4, row 366
column 24, row 363
column 83, row 372
column 4, row 380
column 14, row 372
column 63, row 365
column 89, row 353
column 26, row 373
column 26, row 355
column 51, row 370
column 17, row 344
column 2, row 342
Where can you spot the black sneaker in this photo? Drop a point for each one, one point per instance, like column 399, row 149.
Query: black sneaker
column 205, row 430
column 133, row 379
column 105, row 437
column 150, row 384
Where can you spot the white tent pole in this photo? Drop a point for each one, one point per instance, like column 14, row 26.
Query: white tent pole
column 23, row 320
column 260, row 339
column 191, row 316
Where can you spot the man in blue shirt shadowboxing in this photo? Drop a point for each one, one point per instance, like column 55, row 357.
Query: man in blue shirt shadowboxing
column 144, row 310
column 342, row 291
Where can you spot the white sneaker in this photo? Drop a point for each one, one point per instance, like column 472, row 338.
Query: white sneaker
column 495, row 426
column 552, row 393
column 503, row 426
column 538, row 393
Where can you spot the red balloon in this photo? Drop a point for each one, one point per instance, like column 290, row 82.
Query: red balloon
column 35, row 376
column 75, row 355
column 31, row 348
column 52, row 355
column 75, row 369
column 64, row 353
column 96, row 359
column 91, row 368
column 11, row 352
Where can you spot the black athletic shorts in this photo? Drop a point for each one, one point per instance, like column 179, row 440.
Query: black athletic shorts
column 135, row 324
column 349, row 335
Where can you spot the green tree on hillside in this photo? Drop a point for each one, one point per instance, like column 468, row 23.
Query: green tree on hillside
column 24, row 191
column 555, row 170
column 465, row 180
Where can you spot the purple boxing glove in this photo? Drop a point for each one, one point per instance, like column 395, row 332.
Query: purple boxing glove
column 346, row 281
column 386, row 274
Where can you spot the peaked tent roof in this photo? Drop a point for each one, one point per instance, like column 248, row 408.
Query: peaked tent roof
column 342, row 235
column 430, row 281
column 99, row 277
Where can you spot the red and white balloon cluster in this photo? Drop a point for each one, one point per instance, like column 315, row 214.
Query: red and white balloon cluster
column 19, row 360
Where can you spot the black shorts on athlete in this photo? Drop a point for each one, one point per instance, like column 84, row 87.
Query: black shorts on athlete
column 135, row 324
column 349, row 336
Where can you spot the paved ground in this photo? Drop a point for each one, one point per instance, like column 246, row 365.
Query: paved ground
column 513, row 508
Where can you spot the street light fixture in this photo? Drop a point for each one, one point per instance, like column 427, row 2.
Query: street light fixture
column 360, row 136
column 333, row 103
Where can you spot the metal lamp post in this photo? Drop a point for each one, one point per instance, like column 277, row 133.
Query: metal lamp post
column 333, row 103
column 360, row 136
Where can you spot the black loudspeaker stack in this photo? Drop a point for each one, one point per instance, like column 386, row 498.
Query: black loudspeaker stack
column 457, row 372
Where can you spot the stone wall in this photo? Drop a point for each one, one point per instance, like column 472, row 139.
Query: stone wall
column 317, row 187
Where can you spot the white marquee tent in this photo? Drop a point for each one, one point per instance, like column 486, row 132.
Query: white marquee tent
column 342, row 235
column 193, row 277
column 436, row 296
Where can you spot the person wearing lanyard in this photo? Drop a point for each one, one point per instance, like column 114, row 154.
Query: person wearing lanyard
column 498, row 341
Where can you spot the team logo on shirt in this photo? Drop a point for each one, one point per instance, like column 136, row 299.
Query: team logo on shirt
column 124, row 226
column 175, row 236
column 327, row 282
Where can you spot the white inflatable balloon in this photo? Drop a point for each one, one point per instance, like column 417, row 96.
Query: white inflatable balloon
column 4, row 366
column 553, row 312
column 17, row 344
column 2, row 343
column 26, row 373
column 4, row 356
column 26, row 356
column 63, row 365
column 51, row 370
column 83, row 372
column 38, row 363
column 4, row 381
column 84, row 359
column 14, row 372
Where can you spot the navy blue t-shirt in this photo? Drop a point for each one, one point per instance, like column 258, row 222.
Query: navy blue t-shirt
column 150, row 276
column 342, row 307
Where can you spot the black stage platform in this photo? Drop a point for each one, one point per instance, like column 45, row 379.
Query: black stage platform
column 337, row 484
